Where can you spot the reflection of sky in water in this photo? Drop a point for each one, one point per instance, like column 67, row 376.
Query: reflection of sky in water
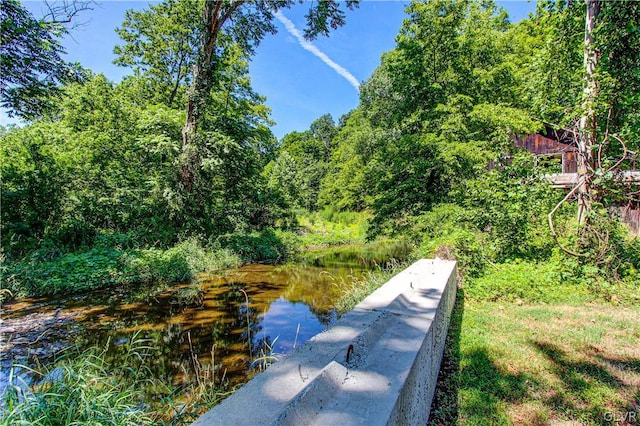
column 177, row 321
column 277, row 323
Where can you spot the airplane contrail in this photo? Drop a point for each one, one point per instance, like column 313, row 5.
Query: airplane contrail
column 307, row 45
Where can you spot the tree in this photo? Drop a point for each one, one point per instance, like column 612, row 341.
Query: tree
column 30, row 57
column 421, row 71
column 324, row 130
column 442, row 104
column 161, row 44
column 345, row 185
column 587, row 128
column 298, row 170
column 244, row 23
column 605, row 122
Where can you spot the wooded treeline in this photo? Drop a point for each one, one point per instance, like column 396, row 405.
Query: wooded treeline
column 102, row 161
column 460, row 85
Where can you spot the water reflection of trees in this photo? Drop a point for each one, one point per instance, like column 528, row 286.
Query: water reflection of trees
column 222, row 320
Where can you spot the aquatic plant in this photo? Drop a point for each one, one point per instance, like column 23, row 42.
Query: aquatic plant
column 188, row 296
column 267, row 355
column 78, row 389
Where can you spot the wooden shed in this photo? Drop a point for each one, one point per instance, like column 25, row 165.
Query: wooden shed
column 556, row 151
column 552, row 146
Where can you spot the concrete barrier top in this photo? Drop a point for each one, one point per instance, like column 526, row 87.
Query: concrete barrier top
column 377, row 364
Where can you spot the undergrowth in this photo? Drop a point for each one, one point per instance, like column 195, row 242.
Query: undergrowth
column 329, row 228
column 102, row 267
column 88, row 388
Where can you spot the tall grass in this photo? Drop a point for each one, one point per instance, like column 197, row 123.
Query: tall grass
column 88, row 388
column 80, row 389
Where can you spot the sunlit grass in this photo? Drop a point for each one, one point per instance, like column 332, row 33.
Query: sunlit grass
column 355, row 291
column 542, row 364
column 330, row 228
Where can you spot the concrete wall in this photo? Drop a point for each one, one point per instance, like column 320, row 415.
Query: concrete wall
column 397, row 335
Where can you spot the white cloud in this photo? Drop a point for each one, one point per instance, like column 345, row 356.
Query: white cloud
column 307, row 45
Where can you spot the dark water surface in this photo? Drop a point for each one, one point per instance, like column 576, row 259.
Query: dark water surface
column 238, row 320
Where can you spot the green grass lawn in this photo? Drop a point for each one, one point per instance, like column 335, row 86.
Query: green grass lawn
column 541, row 364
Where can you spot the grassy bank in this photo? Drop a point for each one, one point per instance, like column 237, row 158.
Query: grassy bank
column 508, row 364
column 101, row 267
column 116, row 260
column 524, row 347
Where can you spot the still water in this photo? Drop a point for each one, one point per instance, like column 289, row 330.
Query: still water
column 234, row 321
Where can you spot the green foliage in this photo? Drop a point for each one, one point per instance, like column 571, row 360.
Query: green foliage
column 267, row 246
column 619, row 65
column 324, row 130
column 66, row 180
column 33, row 183
column 295, row 175
column 109, row 175
column 329, row 227
column 455, row 242
column 108, row 264
column 529, row 282
column 81, row 389
column 426, row 126
column 161, row 43
column 553, row 92
column 345, row 185
column 511, row 206
column 107, row 164
column 408, row 179
column 30, row 61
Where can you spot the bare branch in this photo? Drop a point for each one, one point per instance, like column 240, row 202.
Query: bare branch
column 552, row 228
column 63, row 12
column 624, row 154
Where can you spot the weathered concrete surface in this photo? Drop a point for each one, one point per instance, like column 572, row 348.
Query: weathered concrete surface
column 397, row 334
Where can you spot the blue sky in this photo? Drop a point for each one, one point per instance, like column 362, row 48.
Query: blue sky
column 299, row 86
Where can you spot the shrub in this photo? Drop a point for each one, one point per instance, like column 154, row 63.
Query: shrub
column 266, row 246
column 102, row 267
column 526, row 281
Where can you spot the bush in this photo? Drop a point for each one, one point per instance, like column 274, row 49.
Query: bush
column 525, row 281
column 267, row 246
column 102, row 267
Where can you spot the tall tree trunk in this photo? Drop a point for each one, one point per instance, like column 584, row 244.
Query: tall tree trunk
column 214, row 15
column 587, row 135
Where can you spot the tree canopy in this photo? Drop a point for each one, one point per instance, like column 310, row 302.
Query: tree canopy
column 31, row 65
column 445, row 104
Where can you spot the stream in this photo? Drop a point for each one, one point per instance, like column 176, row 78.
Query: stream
column 286, row 306
column 232, row 323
